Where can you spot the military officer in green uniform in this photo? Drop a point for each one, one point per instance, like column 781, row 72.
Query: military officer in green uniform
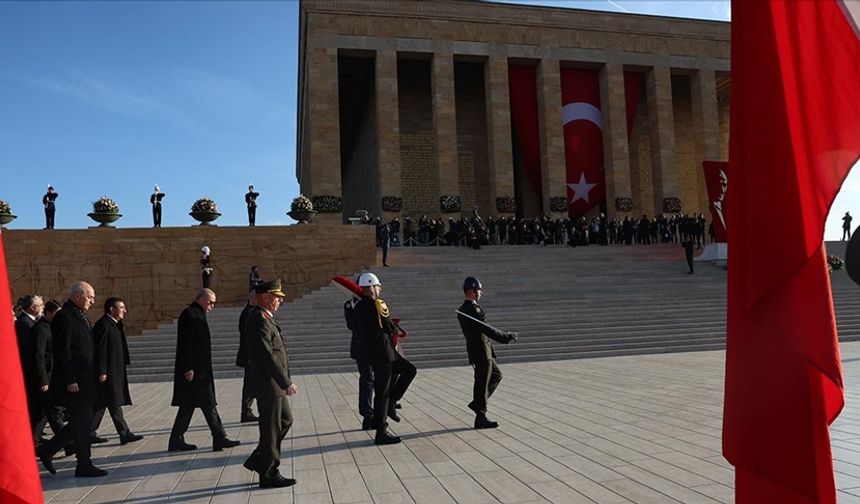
column 270, row 384
column 480, row 350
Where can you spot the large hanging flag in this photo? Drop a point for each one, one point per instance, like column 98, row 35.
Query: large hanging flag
column 19, row 477
column 522, row 84
column 795, row 118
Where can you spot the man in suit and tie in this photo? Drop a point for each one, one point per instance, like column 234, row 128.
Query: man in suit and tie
column 111, row 359
column 251, row 201
column 48, row 201
column 270, row 383
column 40, row 358
column 31, row 309
column 155, row 200
column 74, row 380
column 482, row 357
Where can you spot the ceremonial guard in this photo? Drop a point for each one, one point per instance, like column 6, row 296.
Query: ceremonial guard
column 482, row 357
column 193, row 381
column 376, row 331
column 254, row 279
column 251, row 201
column 846, row 226
column 40, row 358
column 365, row 371
column 155, row 200
column 206, row 266
column 111, row 359
column 247, row 415
column 74, row 380
column 48, row 201
column 270, row 384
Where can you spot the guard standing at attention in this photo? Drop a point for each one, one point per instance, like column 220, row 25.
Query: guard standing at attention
column 251, row 201
column 482, row 357
column 155, row 201
column 48, row 201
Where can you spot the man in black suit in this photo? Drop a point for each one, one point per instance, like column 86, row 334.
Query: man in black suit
column 270, row 383
column 74, row 380
column 247, row 414
column 482, row 357
column 251, row 201
column 376, row 330
column 31, row 309
column 193, row 383
column 155, row 200
column 48, row 201
column 111, row 359
column 39, row 368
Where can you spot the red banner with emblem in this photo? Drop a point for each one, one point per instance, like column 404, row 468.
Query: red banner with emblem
column 717, row 181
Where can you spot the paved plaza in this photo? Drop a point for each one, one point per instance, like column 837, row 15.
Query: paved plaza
column 610, row 430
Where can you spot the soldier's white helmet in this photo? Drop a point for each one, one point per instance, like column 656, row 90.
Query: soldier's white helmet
column 204, row 250
column 368, row 280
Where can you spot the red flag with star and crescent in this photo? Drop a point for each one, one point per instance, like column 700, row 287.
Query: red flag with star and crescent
column 795, row 118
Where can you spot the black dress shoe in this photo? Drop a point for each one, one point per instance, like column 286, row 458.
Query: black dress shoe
column 276, row 481
column 46, row 458
column 367, row 423
column 89, row 471
column 225, row 443
column 181, row 447
column 482, row 422
column 130, row 437
column 392, row 414
column 249, row 418
column 96, row 439
column 384, row 438
column 398, row 405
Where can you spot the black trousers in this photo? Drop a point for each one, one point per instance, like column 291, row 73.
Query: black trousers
column 365, row 388
column 402, row 374
column 78, row 429
column 385, row 255
column 49, row 217
column 207, row 280
column 275, row 421
column 183, row 420
column 247, row 398
column 846, row 231
column 487, row 378
column 156, row 215
column 116, row 415
column 43, row 411
column 690, row 260
column 252, row 215
column 381, row 392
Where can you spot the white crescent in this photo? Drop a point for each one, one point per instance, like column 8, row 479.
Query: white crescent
column 581, row 111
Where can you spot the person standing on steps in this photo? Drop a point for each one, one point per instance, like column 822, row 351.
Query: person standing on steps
column 247, row 414
column 482, row 357
column 688, row 245
column 206, row 266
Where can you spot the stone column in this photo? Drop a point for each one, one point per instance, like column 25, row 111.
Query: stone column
column 616, row 152
column 553, row 168
column 661, row 125
column 388, row 127
column 323, row 119
column 706, row 125
column 498, row 128
column 445, row 121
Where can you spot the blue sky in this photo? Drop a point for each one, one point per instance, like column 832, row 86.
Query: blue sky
column 199, row 97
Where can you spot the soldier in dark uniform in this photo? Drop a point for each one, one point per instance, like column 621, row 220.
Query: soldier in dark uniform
column 846, row 226
column 270, row 383
column 206, row 266
column 251, row 201
column 40, row 366
column 48, row 201
column 74, row 380
column 482, row 357
column 155, row 200
column 111, row 359
column 375, row 332
column 242, row 357
column 193, row 382
column 688, row 245
column 365, row 371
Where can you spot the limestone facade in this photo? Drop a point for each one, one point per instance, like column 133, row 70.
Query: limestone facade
column 427, row 146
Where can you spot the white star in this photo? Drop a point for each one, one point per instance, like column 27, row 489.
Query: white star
column 581, row 189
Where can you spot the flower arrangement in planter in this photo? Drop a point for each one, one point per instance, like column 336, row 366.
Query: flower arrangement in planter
column 449, row 203
column 671, row 205
column 204, row 211
column 623, row 204
column 325, row 203
column 6, row 213
column 506, row 204
column 834, row 263
column 105, row 211
column 392, row 203
column 302, row 209
column 558, row 204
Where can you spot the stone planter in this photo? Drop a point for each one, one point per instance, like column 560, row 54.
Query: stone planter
column 7, row 218
column 302, row 216
column 104, row 219
column 205, row 218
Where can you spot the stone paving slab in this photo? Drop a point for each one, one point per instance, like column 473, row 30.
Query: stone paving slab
column 642, row 429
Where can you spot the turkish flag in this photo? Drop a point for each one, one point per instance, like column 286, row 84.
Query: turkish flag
column 583, row 139
column 19, row 476
column 795, row 118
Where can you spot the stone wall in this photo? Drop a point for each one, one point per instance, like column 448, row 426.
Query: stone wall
column 420, row 177
column 157, row 271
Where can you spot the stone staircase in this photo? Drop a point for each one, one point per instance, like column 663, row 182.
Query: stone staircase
column 564, row 302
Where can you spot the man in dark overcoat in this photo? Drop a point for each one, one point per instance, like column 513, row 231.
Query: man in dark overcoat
column 31, row 309
column 74, row 380
column 247, row 414
column 270, row 383
column 40, row 366
column 193, row 383
column 112, row 357
column 482, row 357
